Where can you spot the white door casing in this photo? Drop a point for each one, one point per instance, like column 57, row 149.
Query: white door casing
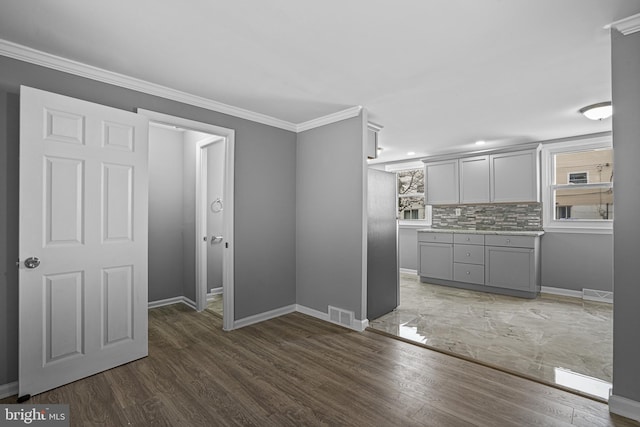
column 228, row 136
column 83, row 213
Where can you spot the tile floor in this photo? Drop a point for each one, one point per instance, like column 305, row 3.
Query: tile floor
column 214, row 304
column 561, row 340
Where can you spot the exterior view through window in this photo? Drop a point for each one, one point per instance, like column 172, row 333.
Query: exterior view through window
column 411, row 194
column 583, row 185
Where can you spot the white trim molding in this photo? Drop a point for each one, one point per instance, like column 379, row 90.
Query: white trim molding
column 562, row 292
column 228, row 259
column 408, row 271
column 625, row 407
column 44, row 59
column 9, row 389
column 329, row 118
column 261, row 317
column 54, row 62
column 627, row 25
column 169, row 301
column 549, row 150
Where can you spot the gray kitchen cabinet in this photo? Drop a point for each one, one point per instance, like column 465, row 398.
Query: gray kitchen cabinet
column 483, row 261
column 435, row 255
column 511, row 176
column 442, row 186
column 474, row 179
column 511, row 268
column 512, row 262
column 514, row 177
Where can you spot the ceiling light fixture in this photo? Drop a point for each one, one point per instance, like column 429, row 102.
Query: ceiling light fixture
column 411, row 153
column 480, row 142
column 599, row 111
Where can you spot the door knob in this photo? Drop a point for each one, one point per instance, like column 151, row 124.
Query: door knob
column 216, row 239
column 32, row 262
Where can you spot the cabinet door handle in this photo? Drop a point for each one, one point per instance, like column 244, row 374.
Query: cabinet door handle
column 468, row 273
column 468, row 254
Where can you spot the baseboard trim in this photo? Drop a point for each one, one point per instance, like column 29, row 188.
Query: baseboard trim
column 267, row 315
column 408, row 271
column 584, row 294
column 561, row 292
column 358, row 325
column 624, row 407
column 9, row 389
column 215, row 291
column 175, row 300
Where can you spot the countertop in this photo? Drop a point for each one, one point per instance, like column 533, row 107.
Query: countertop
column 494, row 232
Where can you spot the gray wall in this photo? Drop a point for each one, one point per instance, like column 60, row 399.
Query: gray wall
column 264, row 205
column 576, row 261
column 626, row 247
column 9, row 129
column 330, row 216
column 165, row 213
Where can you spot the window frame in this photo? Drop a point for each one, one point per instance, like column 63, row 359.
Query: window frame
column 549, row 150
column 417, row 223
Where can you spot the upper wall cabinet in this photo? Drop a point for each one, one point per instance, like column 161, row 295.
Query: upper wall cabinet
column 492, row 178
column 442, row 182
column 474, row 179
column 515, row 177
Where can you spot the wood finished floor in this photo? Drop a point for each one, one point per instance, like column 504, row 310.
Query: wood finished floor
column 299, row 371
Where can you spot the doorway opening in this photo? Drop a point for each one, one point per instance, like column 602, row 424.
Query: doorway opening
column 199, row 174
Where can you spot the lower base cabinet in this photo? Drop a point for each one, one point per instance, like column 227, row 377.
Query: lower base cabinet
column 507, row 264
column 512, row 268
column 436, row 259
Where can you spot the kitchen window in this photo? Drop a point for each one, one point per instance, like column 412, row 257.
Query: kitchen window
column 411, row 198
column 411, row 193
column 578, row 185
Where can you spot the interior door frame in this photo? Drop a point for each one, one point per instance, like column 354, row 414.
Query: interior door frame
column 228, row 136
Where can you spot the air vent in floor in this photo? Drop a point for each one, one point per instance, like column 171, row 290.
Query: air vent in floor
column 595, row 295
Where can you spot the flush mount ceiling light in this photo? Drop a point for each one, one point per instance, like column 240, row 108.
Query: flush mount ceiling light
column 599, row 111
column 480, row 142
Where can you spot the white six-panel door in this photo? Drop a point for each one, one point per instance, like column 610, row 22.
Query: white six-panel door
column 83, row 215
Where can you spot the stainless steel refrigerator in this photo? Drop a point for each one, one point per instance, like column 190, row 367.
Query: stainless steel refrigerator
column 383, row 282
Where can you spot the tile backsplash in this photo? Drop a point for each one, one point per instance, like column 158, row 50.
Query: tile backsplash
column 503, row 216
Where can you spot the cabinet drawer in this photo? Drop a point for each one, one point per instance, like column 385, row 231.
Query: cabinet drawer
column 468, row 254
column 469, row 239
column 512, row 241
column 435, row 237
column 469, row 273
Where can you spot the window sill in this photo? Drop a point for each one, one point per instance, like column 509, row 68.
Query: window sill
column 579, row 229
column 413, row 223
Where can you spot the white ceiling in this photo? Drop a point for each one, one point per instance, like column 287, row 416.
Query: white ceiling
column 437, row 74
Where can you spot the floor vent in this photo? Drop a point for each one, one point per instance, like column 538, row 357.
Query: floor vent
column 341, row 317
column 595, row 295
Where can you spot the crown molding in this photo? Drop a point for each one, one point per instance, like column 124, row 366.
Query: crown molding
column 329, row 118
column 374, row 127
column 627, row 25
column 44, row 59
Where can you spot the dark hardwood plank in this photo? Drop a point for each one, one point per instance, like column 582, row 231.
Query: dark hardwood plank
column 296, row 370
